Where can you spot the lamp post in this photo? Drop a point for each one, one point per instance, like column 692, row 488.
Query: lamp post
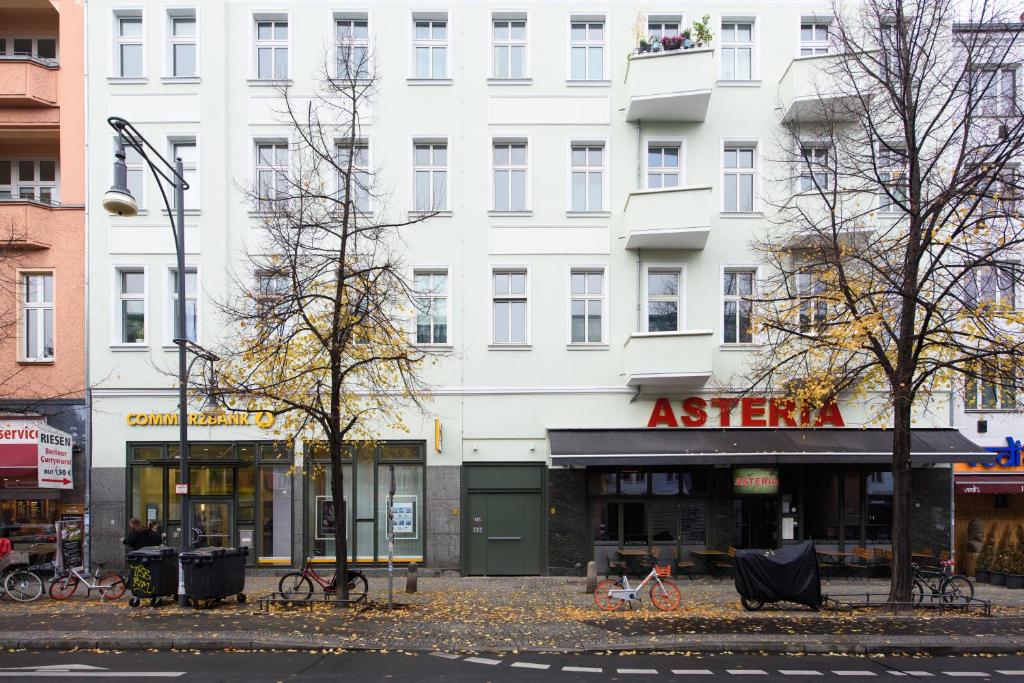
column 119, row 200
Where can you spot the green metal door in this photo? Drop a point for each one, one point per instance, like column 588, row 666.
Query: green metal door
column 505, row 534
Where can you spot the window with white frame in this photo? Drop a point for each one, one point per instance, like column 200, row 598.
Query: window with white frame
column 663, row 165
column 430, row 176
column 271, row 172
column 587, row 177
column 128, row 44
column 988, row 393
column 509, row 46
column 586, row 49
column 664, row 293
column 272, row 289
column 7, row 179
column 999, row 200
column 29, row 180
column 738, row 179
column 815, row 173
column 586, row 306
column 737, row 46
column 430, row 46
column 186, row 150
column 183, row 48
column 662, row 25
column 510, row 174
column 992, row 285
column 812, row 305
column 16, row 47
column 352, row 47
column 431, row 300
column 737, row 288
column 892, row 173
column 131, row 305
column 136, row 175
column 509, row 306
column 999, row 91
column 272, row 48
column 191, row 303
column 37, row 316
column 814, row 37
column 359, row 187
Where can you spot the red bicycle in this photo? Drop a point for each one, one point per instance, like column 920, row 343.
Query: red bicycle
column 299, row 585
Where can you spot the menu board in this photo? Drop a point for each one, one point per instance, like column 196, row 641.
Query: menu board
column 693, row 523
column 69, row 552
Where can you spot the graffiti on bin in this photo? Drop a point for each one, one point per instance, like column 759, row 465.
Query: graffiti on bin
column 142, row 580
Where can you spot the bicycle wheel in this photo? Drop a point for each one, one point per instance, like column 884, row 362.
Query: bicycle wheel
column 957, row 589
column 23, row 585
column 358, row 587
column 113, row 586
column 603, row 598
column 917, row 593
column 666, row 597
column 63, row 587
column 295, row 585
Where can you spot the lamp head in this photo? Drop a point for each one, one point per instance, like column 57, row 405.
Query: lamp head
column 118, row 199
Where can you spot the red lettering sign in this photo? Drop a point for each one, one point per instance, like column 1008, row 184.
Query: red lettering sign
column 662, row 414
column 755, row 411
column 694, row 414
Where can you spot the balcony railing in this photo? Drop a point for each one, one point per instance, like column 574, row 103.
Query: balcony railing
column 668, row 218
column 668, row 361
column 670, row 86
column 24, row 223
column 810, row 91
column 27, row 82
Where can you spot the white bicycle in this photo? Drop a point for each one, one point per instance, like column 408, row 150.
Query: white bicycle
column 612, row 594
column 17, row 581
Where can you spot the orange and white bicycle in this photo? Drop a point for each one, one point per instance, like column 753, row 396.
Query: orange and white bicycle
column 613, row 594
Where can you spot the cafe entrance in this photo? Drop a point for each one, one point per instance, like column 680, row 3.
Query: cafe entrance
column 755, row 522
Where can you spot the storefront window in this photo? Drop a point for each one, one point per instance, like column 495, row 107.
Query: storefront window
column 275, row 451
column 211, row 481
column 633, row 483
column 147, row 453
column 602, row 483
column 634, row 524
column 275, row 522
column 407, row 511
column 665, row 483
column 851, row 506
column 605, row 520
column 148, row 494
column 878, row 529
column 664, row 522
column 320, row 510
column 821, row 511
column 246, row 495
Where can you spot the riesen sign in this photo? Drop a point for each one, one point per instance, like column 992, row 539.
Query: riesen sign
column 29, row 444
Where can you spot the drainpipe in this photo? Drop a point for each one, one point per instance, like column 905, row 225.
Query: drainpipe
column 87, row 446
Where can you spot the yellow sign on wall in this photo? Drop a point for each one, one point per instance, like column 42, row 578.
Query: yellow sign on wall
column 437, row 435
column 259, row 418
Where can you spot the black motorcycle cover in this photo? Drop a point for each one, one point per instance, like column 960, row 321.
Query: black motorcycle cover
column 789, row 573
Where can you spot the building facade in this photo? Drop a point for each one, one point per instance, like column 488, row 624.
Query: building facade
column 585, row 276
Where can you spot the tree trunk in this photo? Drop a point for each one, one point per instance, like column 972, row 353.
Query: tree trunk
column 902, row 577
column 340, row 524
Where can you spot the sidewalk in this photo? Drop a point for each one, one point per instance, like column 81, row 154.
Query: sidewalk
column 516, row 614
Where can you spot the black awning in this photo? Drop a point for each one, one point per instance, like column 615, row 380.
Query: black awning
column 754, row 446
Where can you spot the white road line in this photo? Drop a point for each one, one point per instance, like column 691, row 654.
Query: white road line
column 482, row 660
column 530, row 665
column 692, row 672
column 57, row 673
column 1011, row 672
column 446, row 655
column 583, row 669
column 919, row 674
column 842, row 672
column 637, row 671
column 898, row 673
column 799, row 672
column 966, row 674
column 747, row 672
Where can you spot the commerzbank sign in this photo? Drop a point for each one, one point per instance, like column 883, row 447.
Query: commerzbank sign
column 259, row 418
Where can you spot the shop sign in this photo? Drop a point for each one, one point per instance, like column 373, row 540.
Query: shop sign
column 260, row 418
column 32, row 445
column 749, row 411
column 748, row 481
column 1007, row 461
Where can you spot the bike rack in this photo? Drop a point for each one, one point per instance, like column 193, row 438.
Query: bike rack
column 292, row 599
column 852, row 601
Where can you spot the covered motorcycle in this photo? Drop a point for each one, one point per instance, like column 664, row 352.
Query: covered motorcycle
column 788, row 573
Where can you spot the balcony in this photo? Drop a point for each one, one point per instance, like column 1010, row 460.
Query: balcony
column 668, row 361
column 27, row 82
column 669, row 218
column 810, row 93
column 670, row 86
column 23, row 223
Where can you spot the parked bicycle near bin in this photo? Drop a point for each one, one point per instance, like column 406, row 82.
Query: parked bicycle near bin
column 613, row 594
column 943, row 585
column 299, row 585
column 110, row 585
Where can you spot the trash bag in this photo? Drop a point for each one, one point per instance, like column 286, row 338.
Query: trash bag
column 788, row 573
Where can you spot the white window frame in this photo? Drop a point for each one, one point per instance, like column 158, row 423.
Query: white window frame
column 169, row 299
column 172, row 13
column 367, row 168
column 257, row 167
column 431, row 140
column 14, row 188
column 755, row 67
column 117, row 68
column 434, row 270
column 754, row 270
column 662, row 18
column 806, row 171
column 974, row 388
column 509, row 17
column 117, row 329
column 680, row 298
column 130, row 166
column 588, row 18
column 999, row 96
column 510, row 140
column 338, row 18
column 819, row 307
column 273, row 44
column 1002, row 269
column 663, row 141
column 590, row 142
column 603, row 298
column 740, row 143
column 191, row 169
column 7, row 49
column 509, row 268
column 431, row 44
column 891, row 208
column 24, row 306
column 816, row 45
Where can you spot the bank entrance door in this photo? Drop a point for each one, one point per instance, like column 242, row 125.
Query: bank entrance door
column 755, row 522
column 213, row 522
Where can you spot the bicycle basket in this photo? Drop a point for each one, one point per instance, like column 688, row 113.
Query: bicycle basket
column 663, row 572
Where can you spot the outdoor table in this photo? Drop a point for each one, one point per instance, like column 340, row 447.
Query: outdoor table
column 836, row 559
column 632, row 558
column 707, row 560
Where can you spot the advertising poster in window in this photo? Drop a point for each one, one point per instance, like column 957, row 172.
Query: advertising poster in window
column 326, row 518
column 403, row 517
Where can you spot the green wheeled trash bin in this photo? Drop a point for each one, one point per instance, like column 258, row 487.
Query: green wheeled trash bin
column 152, row 574
column 213, row 574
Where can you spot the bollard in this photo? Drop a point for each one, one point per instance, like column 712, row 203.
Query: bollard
column 591, row 576
column 410, row 578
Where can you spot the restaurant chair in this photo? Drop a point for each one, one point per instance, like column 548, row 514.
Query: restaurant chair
column 864, row 562
column 616, row 565
column 726, row 566
column 685, row 568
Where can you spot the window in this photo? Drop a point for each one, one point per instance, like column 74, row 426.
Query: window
column 37, row 308
column 586, row 306
column 983, row 393
column 352, row 44
column 992, row 285
column 999, row 200
column 510, row 314
column 509, row 36
column 360, row 180
column 586, row 50
column 738, row 180
column 191, row 304
column 814, row 168
column 186, row 150
column 809, row 290
column 430, row 47
column 737, row 50
column 431, row 306
column 128, row 46
column 182, row 41
column 271, row 172
column 814, row 38
column 510, row 168
column 430, row 176
column 29, row 180
column 892, row 173
column 662, row 165
column 272, row 287
column 661, row 26
column 663, row 299
column 587, row 177
column 131, row 284
column 737, row 287
column 999, row 91
column 271, row 49
column 136, row 175
column 43, row 49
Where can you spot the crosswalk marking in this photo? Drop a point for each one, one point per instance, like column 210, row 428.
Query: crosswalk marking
column 445, row 655
column 747, row 672
column 530, row 665
column 637, row 671
column 898, row 673
column 842, row 672
column 692, row 672
column 919, row 674
column 966, row 674
column 582, row 669
column 799, row 672
column 482, row 660
column 1010, row 672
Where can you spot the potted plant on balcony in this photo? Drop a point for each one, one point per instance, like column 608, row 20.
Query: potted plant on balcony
column 702, row 31
column 644, row 46
column 656, row 44
column 997, row 577
column 672, row 42
column 1015, row 575
column 983, row 572
column 687, row 38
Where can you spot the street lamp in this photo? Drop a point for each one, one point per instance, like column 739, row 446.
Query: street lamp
column 119, row 200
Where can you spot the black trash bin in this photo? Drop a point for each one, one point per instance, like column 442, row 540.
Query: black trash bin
column 152, row 574
column 214, row 574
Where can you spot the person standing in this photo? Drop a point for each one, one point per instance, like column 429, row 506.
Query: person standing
column 138, row 536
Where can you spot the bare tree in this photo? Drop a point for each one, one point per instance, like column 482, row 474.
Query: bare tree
column 891, row 259
column 322, row 332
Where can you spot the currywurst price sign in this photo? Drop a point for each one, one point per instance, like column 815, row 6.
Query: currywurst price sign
column 28, row 445
column 54, row 459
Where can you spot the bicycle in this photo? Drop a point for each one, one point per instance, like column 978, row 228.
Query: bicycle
column 612, row 594
column 21, row 583
column 110, row 585
column 945, row 585
column 300, row 584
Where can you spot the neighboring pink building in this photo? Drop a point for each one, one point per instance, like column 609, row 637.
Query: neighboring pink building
column 42, row 241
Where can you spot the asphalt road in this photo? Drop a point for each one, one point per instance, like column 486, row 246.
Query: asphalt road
column 525, row 667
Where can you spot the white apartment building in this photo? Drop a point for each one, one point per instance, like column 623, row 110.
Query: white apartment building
column 587, row 273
